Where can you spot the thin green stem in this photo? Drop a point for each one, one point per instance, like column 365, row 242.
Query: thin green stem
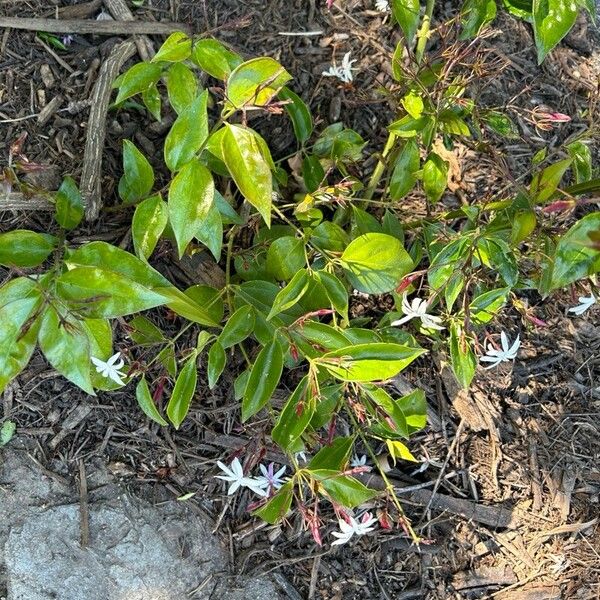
column 380, row 167
column 423, row 33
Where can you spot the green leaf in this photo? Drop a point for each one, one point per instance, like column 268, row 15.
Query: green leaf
column 484, row 307
column 7, row 431
column 278, row 506
column 149, row 221
column 209, row 299
column 216, row 363
column 146, row 403
column 334, row 457
column 384, row 401
column 24, row 248
column 66, row 347
column 249, row 169
column 519, row 8
column 495, row 252
column 414, row 408
column 69, row 204
column 263, row 380
column 368, row 362
column 577, row 254
column 523, row 224
column 413, row 104
column 285, row 257
column 183, row 392
column 214, row 58
column 291, row 293
column 138, row 79
column 143, row 332
column 344, row 490
column 187, row 134
column 582, row 161
column 191, row 195
column 294, row 417
column 177, row 47
column 374, row 263
column 501, row 124
column 462, row 358
column 188, row 308
column 552, row 20
column 238, row 327
column 166, row 357
column 474, row 15
column 298, row 113
column 335, row 290
column 182, row 86
column 403, row 177
column 435, row 177
column 138, row 175
column 399, row 450
column 448, row 262
column 544, row 184
column 330, row 236
column 210, row 232
column 406, row 13
column 152, row 101
column 312, row 172
column 408, row 127
column 255, row 82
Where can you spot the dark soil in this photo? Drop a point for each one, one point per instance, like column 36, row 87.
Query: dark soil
column 535, row 449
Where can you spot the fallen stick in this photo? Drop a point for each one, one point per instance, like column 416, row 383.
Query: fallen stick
column 18, row 201
column 83, row 26
column 120, row 11
column 96, row 127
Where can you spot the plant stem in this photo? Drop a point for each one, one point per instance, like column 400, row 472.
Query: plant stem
column 380, row 167
column 423, row 33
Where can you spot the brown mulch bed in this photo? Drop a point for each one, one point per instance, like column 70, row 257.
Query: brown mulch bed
column 525, row 439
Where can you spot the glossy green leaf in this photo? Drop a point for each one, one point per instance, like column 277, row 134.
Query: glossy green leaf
column 497, row 254
column 484, row 307
column 7, row 431
column 285, row 257
column 368, row 362
column 149, row 221
column 152, row 101
column 69, row 204
column 24, row 248
column 216, row 363
column 462, row 357
column 501, row 124
column 138, row 176
column 183, row 392
column 187, row 134
column 312, row 172
column 238, row 327
column 519, row 8
column 278, row 506
column 414, row 408
column 582, row 161
column 138, row 79
column 166, row 357
column 399, row 450
column 146, row 403
column 66, row 347
column 413, row 104
column 407, row 13
column 335, row 290
column 191, row 195
column 394, row 414
column 263, row 380
column 403, row 177
column 182, row 86
column 249, row 169
column 330, row 236
column 435, row 177
column 298, row 113
column 291, row 293
column 577, row 253
column 552, row 20
column 374, row 263
column 474, row 15
column 177, row 47
column 144, row 332
column 334, row 456
column 210, row 232
column 409, row 127
column 255, row 82
column 188, row 308
column 294, row 417
column 344, row 490
column 544, row 184
column 447, row 262
column 209, row 298
column 214, row 58
column 523, row 224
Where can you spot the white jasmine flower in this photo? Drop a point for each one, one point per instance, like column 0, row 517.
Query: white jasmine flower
column 358, row 461
column 270, row 479
column 300, row 456
column 585, row 302
column 110, row 368
column 234, row 474
column 418, row 310
column 506, row 354
column 382, row 5
column 343, row 71
column 355, row 527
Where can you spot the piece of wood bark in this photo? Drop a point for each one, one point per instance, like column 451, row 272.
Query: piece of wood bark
column 87, row 26
column 18, row 201
column 79, row 11
column 120, row 11
column 96, row 128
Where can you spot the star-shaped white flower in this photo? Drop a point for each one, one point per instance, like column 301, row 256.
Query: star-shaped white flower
column 418, row 310
column 343, row 71
column 269, row 479
column 506, row 354
column 355, row 527
column 382, row 5
column 358, row 461
column 234, row 474
column 585, row 302
column 110, row 368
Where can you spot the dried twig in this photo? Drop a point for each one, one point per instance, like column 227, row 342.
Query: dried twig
column 84, row 512
column 119, row 10
column 84, row 26
column 18, row 201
